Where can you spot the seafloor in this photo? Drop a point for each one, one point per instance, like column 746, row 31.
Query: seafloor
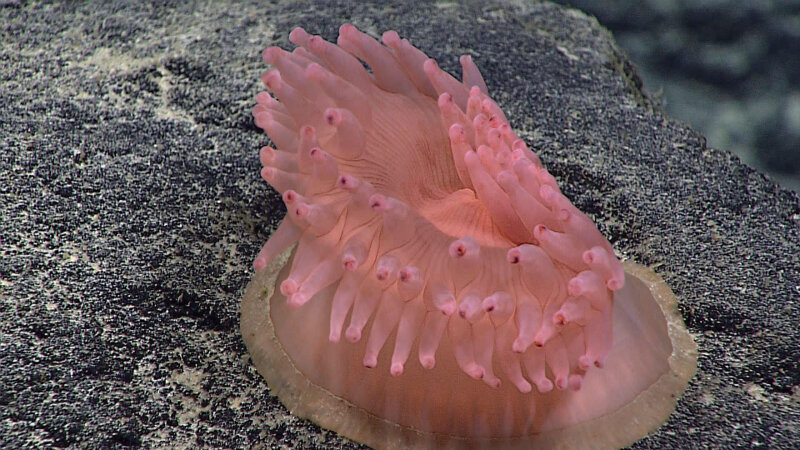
column 131, row 208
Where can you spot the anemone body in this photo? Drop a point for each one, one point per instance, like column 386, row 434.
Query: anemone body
column 441, row 280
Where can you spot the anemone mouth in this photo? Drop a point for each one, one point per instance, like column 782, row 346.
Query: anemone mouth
column 669, row 360
column 425, row 226
column 413, row 164
column 407, row 156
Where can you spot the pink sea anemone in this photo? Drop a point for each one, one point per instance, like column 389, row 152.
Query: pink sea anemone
column 425, row 226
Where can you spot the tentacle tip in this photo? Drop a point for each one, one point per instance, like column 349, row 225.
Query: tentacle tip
column 506, row 179
column 297, row 300
column 430, row 66
column 465, row 247
column 518, row 346
column 444, row 99
column 544, row 386
column 524, row 387
column 600, row 363
column 470, row 157
column 465, row 59
column 588, row 256
column 481, row 122
column 408, row 274
column 521, row 163
column 334, row 337
column 289, row 196
column 315, row 72
column 427, row 361
column 333, row 117
column 272, row 79
column 370, row 361
column 468, row 310
column 346, row 30
column 584, row 362
column 493, row 382
column 457, row 250
column 260, row 264
column 485, row 151
column 289, row 287
column 308, row 132
column 349, row 263
column 539, row 231
column 562, row 383
column 317, row 44
column 386, row 268
column 301, row 210
column 378, row 202
column 615, row 284
column 513, row 256
column 475, row 371
column 263, row 97
column 267, row 153
column 545, row 191
column 353, row 334
column 319, row 156
column 271, row 54
column 258, row 109
column 575, row 382
column 263, row 119
column 348, row 182
column 495, row 302
column 390, row 37
column 298, row 35
column 448, row 308
column 397, row 369
column 456, row 133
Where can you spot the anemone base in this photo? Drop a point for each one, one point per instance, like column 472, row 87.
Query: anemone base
column 313, row 396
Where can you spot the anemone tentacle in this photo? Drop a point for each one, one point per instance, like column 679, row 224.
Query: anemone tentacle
column 528, row 292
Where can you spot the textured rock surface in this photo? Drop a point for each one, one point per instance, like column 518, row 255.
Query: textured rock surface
column 131, row 208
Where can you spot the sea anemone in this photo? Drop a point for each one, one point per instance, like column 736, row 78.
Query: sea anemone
column 424, row 225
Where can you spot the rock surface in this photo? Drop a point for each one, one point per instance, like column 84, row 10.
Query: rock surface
column 131, row 208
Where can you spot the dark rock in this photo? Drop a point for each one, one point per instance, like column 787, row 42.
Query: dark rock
column 131, row 209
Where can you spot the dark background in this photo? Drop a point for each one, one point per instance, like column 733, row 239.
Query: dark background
column 730, row 68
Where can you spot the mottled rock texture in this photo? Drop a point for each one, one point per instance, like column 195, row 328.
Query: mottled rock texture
column 131, row 207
